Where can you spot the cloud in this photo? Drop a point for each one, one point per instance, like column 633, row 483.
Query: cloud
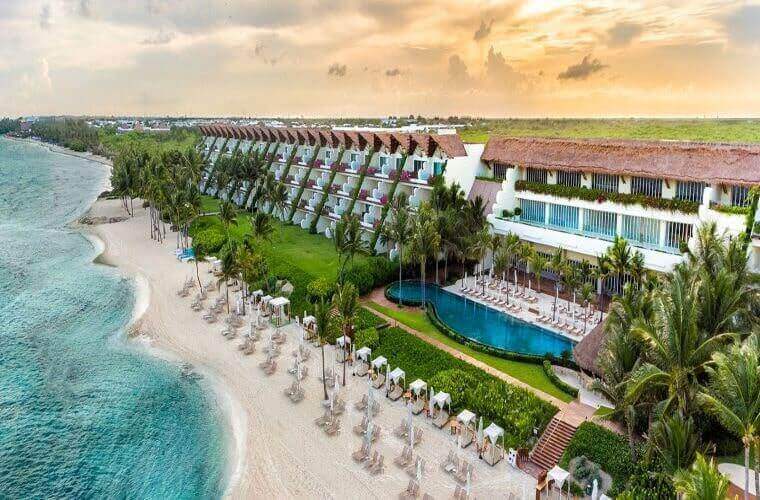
column 743, row 25
column 499, row 71
column 45, row 17
column 458, row 74
column 392, row 72
column 483, row 31
column 160, row 38
column 582, row 70
column 337, row 70
column 623, row 33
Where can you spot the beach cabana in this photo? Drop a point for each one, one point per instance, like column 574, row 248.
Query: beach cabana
column 492, row 452
column 344, row 347
column 309, row 324
column 559, row 476
column 377, row 367
column 396, row 383
column 255, row 296
column 280, row 311
column 440, row 408
column 418, row 389
column 264, row 305
column 466, row 420
column 363, row 355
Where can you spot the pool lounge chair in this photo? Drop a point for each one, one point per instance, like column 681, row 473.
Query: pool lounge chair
column 449, row 464
column 333, row 428
column 362, row 403
column 411, row 469
column 378, row 466
column 402, row 429
column 362, row 369
column 361, row 428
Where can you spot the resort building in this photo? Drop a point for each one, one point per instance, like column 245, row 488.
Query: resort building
column 579, row 194
column 328, row 173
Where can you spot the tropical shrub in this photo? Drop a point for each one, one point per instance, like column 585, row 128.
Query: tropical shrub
column 367, row 337
column 371, row 272
column 209, row 241
column 366, row 319
column 456, row 382
column 320, row 288
column 603, row 447
column 598, row 195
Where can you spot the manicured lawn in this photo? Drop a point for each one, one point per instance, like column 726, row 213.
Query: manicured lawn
column 529, row 373
column 736, row 130
column 209, row 204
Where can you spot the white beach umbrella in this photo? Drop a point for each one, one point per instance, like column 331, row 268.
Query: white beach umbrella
column 409, row 414
column 430, row 401
column 411, row 437
column 419, row 470
column 368, row 433
column 467, row 484
column 595, row 490
column 387, row 376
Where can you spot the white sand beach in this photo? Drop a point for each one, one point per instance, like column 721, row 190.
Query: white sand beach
column 277, row 450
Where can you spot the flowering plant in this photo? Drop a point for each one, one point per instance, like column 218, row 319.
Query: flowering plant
column 363, row 194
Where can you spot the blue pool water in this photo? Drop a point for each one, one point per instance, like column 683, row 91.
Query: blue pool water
column 84, row 413
column 484, row 324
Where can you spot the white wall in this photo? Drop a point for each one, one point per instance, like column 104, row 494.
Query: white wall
column 464, row 169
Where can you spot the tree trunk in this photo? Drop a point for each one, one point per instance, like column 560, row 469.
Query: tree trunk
column 227, row 294
column 399, row 276
column 746, row 472
column 198, row 275
column 757, row 467
column 422, row 273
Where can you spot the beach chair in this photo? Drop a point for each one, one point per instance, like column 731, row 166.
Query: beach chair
column 361, row 428
column 362, row 369
column 375, row 457
column 405, row 458
column 411, row 491
column 441, row 419
column 379, row 381
column 250, row 348
column 324, row 419
column 297, row 395
column 361, row 454
column 418, row 406
column 333, row 428
column 401, row 429
column 362, row 403
column 289, row 391
column 417, row 435
column 449, row 464
column 378, row 466
column 396, row 393
column 462, row 470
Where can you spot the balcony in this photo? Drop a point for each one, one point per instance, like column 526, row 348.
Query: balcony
column 352, row 167
column 422, row 177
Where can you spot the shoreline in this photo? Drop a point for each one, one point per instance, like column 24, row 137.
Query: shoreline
column 274, row 448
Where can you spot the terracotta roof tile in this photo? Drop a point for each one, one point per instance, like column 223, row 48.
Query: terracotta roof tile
column 689, row 161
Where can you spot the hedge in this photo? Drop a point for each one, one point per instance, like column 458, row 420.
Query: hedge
column 598, row 195
column 208, row 241
column 368, row 337
column 370, row 273
column 558, row 382
column 515, row 409
column 604, row 447
column 730, row 209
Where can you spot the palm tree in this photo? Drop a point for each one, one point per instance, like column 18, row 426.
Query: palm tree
column 399, row 231
column 425, row 242
column 702, row 481
column 480, row 243
column 348, row 242
column 600, row 273
column 322, row 317
column 346, row 304
column 620, row 259
column 261, row 226
column 538, row 264
column 277, row 199
column 733, row 396
column 677, row 351
column 524, row 252
column 675, row 442
column 228, row 216
column 587, row 293
column 230, row 268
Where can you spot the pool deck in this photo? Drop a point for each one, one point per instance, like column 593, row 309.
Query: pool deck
column 544, row 303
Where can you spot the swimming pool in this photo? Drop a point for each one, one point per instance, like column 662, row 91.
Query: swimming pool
column 484, row 324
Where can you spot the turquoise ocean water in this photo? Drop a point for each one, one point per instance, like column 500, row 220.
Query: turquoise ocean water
column 84, row 414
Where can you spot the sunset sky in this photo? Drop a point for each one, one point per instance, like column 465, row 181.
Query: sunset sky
column 380, row 57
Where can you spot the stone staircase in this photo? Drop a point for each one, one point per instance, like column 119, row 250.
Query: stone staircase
column 549, row 449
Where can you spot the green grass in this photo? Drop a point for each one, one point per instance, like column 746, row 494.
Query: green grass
column 529, row 373
column 181, row 139
column 734, row 130
column 209, row 204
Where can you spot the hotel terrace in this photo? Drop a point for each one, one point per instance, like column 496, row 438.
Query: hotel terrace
column 555, row 193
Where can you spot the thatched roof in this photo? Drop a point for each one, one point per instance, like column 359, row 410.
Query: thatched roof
column 586, row 352
column 688, row 161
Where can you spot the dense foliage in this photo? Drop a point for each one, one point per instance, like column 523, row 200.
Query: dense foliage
column 599, row 196
column 209, row 241
column 8, row 125
column 517, row 410
column 604, row 447
column 68, row 132
column 549, row 370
